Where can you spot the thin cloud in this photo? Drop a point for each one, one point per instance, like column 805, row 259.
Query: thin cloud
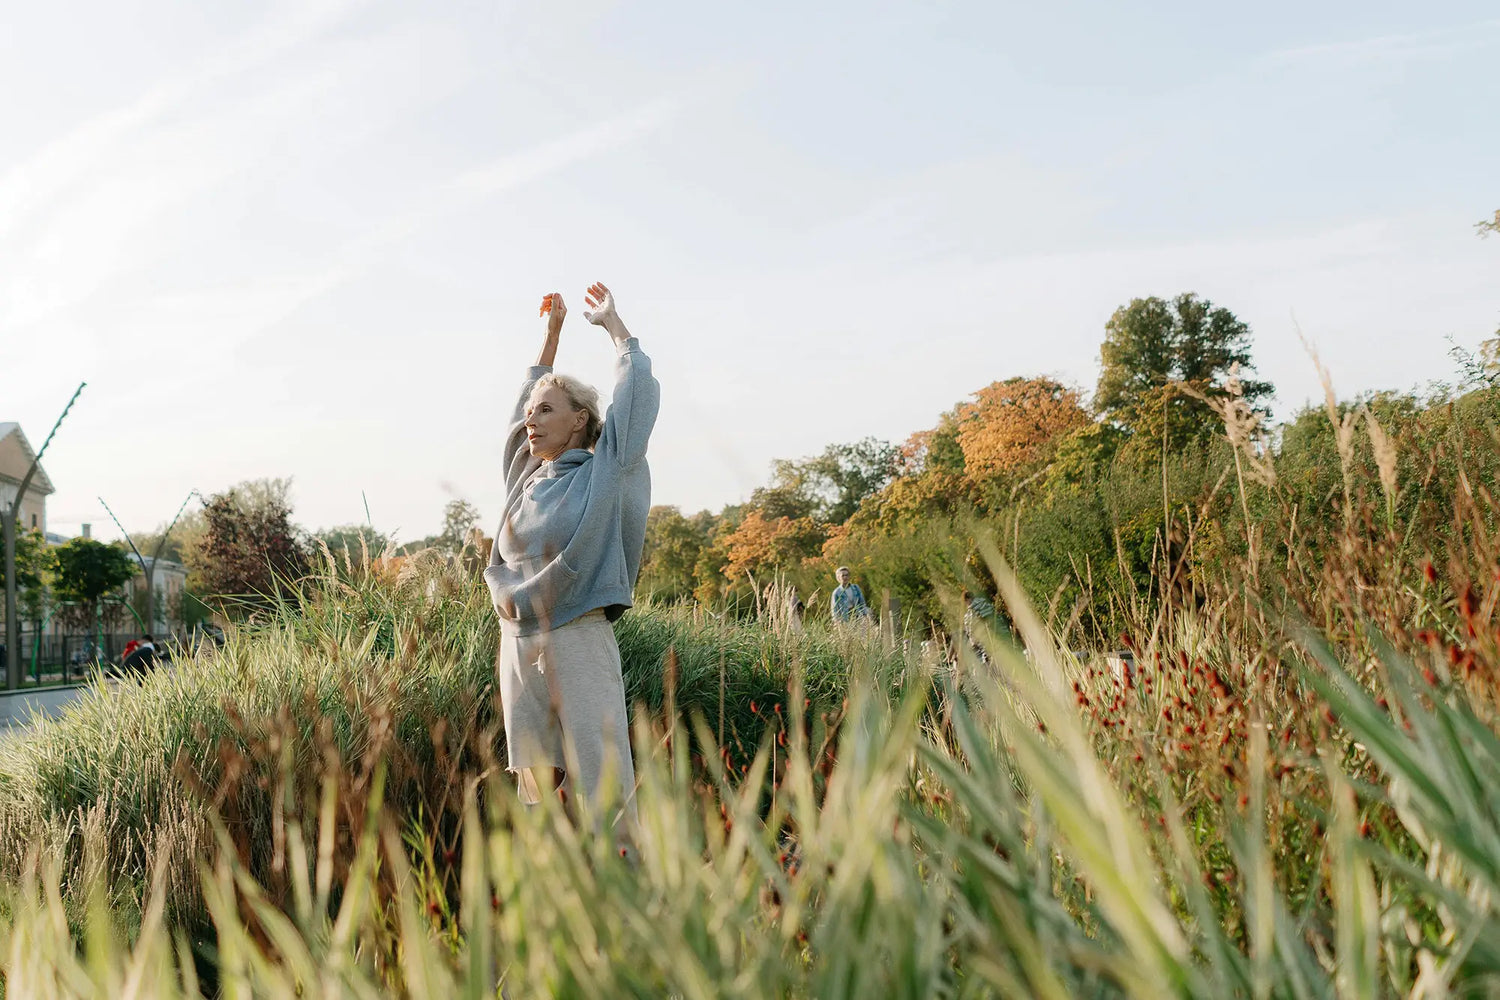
column 602, row 137
column 32, row 186
column 1407, row 47
column 502, row 174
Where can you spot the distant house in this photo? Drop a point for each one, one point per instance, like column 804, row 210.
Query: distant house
column 16, row 457
column 169, row 580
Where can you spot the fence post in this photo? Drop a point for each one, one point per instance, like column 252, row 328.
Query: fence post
column 890, row 614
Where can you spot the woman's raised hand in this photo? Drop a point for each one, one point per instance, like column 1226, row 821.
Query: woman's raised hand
column 555, row 311
column 601, row 306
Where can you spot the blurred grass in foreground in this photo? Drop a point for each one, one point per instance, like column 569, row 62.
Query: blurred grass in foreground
column 964, row 829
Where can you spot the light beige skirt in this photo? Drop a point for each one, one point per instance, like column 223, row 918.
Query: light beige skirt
column 563, row 699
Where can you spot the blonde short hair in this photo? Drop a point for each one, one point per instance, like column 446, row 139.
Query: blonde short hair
column 581, row 396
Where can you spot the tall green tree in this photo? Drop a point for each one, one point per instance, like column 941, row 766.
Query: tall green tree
column 674, row 545
column 459, row 518
column 1151, row 345
column 36, row 565
column 87, row 570
column 828, row 487
column 353, row 540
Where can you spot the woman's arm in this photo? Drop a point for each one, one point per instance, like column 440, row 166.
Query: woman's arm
column 632, row 413
column 555, row 311
column 515, row 454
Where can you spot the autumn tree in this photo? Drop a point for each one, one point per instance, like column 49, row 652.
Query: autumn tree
column 1012, row 426
column 250, row 550
column 934, row 448
column 761, row 544
column 1150, row 345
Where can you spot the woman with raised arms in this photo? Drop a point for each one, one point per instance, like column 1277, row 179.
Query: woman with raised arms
column 564, row 565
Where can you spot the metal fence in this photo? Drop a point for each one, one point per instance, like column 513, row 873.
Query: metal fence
column 60, row 659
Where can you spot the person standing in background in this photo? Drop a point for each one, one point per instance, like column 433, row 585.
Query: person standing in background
column 848, row 601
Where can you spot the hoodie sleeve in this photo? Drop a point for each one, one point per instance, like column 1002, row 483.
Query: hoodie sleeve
column 632, row 413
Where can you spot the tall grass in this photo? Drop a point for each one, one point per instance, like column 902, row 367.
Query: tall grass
column 984, row 849
column 1293, row 790
column 367, row 669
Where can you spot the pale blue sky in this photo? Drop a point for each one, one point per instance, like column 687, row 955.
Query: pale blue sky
column 308, row 239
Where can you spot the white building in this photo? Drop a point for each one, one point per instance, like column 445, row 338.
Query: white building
column 169, row 580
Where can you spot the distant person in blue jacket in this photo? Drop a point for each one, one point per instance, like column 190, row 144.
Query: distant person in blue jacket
column 564, row 565
column 848, row 601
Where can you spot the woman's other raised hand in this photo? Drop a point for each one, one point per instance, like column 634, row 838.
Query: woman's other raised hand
column 555, row 311
column 601, row 311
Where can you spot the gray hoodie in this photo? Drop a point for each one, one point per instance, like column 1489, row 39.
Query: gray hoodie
column 571, row 536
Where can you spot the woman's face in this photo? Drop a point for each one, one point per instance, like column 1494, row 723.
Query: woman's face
column 552, row 425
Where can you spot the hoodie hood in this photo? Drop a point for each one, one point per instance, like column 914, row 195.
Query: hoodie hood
column 564, row 463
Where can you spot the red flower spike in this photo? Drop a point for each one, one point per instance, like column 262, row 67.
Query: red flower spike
column 754, row 709
column 1429, row 676
column 1429, row 571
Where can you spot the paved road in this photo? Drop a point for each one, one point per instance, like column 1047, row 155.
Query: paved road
column 16, row 707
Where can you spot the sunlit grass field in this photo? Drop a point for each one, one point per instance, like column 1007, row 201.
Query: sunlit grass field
column 1271, row 798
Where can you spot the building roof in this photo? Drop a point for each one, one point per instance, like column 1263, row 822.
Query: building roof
column 40, row 483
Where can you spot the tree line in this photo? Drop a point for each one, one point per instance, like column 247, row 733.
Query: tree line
column 1154, row 489
column 1169, row 480
column 242, row 550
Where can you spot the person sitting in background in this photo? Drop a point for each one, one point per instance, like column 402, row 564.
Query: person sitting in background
column 142, row 658
column 848, row 601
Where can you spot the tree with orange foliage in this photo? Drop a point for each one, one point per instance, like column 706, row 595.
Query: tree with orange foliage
column 762, row 544
column 1014, row 425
